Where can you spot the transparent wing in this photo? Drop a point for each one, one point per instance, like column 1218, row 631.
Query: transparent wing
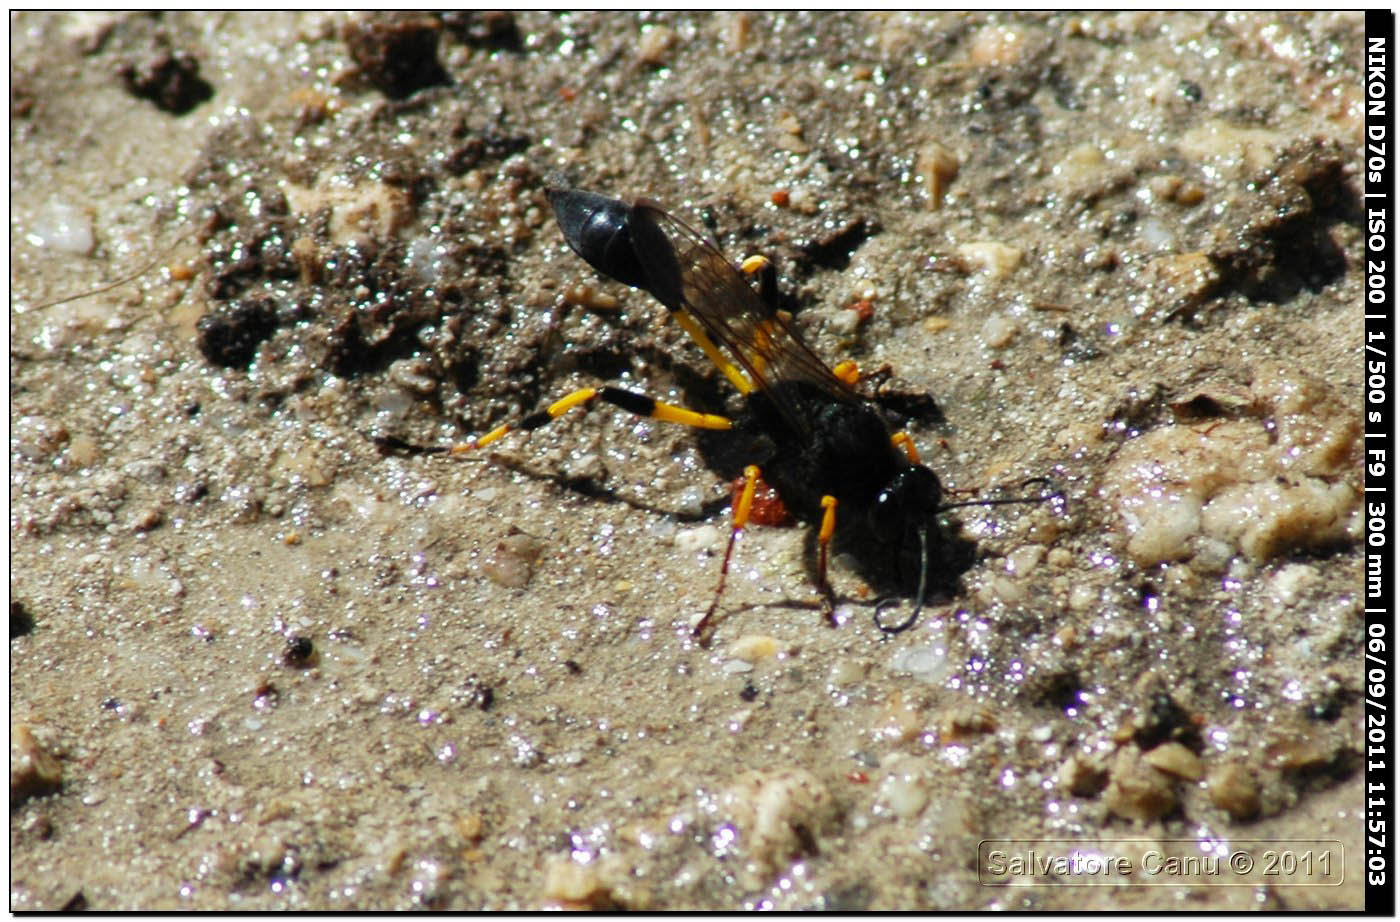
column 687, row 272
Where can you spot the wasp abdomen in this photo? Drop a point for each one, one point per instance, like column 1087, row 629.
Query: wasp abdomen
column 597, row 228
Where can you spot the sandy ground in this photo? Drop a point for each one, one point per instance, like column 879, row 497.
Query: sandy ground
column 257, row 663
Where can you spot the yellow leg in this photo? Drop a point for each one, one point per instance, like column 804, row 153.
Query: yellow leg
column 635, row 403
column 707, row 346
column 828, row 528
column 741, row 518
column 901, row 439
column 754, row 264
column 848, row 372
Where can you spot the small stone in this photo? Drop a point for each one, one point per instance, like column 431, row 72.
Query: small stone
column 1250, row 149
column 1136, row 790
column 996, row 46
column 299, row 651
column 512, row 563
column 737, row 28
column 1290, row 583
column 1024, row 559
column 1176, row 759
column 1172, row 188
column 571, row 882
column 998, row 260
column 779, row 814
column 1182, row 280
column 33, row 772
column 1082, row 166
column 937, row 166
column 961, row 723
column 998, row 331
column 753, row 648
column 928, row 663
column 700, row 538
column 905, row 794
column 1083, row 776
column 62, row 227
column 1232, row 788
column 472, row 827
column 147, row 519
column 846, row 671
column 655, row 42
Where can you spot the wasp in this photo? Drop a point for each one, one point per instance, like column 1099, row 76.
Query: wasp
column 828, row 451
column 834, row 459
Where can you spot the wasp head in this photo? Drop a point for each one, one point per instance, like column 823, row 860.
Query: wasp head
column 907, row 503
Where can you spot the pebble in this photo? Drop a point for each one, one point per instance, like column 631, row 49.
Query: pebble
column 1258, row 492
column 512, row 563
column 1176, row 759
column 62, row 227
column 1172, row 188
column 753, row 648
column 962, row 722
column 1232, row 788
column 842, row 322
column 846, row 671
column 568, row 881
column 700, row 538
column 1265, row 519
column 360, row 214
column 769, row 807
column 998, row 331
column 655, row 42
column 996, row 46
column 33, row 771
column 998, row 260
column 937, row 166
column 1082, row 165
column 1181, row 280
column 905, row 794
column 1024, row 559
column 927, row 663
column 1253, row 149
column 1136, row 790
column 1290, row 583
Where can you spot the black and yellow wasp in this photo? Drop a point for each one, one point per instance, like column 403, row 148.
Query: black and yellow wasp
column 826, row 449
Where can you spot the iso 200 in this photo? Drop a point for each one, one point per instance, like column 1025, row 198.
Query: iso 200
column 1294, row 864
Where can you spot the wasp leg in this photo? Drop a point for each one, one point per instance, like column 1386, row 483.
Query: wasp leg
column 741, row 518
column 762, row 266
column 903, row 440
column 767, row 293
column 632, row 402
column 702, row 339
column 828, row 528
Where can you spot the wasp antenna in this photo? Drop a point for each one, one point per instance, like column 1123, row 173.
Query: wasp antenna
column 1042, row 498
column 913, row 618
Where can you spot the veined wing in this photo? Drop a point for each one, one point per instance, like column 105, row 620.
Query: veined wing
column 686, row 272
